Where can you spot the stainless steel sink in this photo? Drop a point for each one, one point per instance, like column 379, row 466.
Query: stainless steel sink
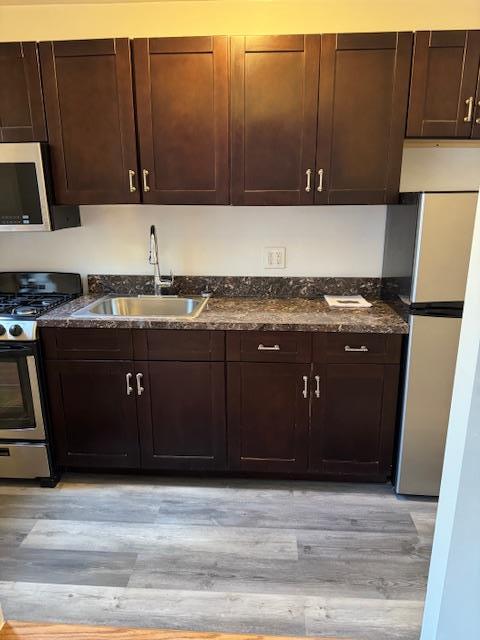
column 168, row 307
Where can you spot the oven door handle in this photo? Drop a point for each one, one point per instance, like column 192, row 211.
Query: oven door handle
column 15, row 350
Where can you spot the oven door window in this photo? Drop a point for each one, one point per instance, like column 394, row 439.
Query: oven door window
column 16, row 404
column 20, row 201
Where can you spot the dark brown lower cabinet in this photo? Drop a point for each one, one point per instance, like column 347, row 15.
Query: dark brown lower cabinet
column 94, row 420
column 353, row 419
column 157, row 409
column 268, row 416
column 181, row 414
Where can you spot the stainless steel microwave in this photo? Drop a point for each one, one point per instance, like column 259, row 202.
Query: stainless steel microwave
column 26, row 194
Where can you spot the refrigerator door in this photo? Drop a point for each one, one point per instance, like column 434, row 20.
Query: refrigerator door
column 443, row 246
column 431, row 359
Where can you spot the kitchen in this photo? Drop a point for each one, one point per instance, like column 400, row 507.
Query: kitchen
column 250, row 176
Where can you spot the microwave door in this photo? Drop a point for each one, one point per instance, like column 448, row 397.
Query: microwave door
column 23, row 197
column 21, row 416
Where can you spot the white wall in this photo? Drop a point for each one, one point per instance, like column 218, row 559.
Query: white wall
column 200, row 240
column 207, row 240
column 452, row 605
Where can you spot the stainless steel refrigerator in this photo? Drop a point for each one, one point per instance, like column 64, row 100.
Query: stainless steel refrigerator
column 427, row 250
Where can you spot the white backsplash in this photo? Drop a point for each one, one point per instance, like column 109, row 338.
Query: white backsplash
column 207, row 240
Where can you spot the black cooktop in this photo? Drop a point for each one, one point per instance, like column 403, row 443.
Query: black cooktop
column 31, row 306
column 26, row 295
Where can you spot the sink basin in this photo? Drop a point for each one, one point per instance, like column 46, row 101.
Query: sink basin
column 168, row 307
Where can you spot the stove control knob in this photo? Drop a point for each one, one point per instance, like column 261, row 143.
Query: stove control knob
column 3, row 331
column 16, row 330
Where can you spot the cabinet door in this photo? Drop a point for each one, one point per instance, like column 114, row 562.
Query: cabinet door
column 89, row 105
column 444, row 80
column 268, row 416
column 363, row 97
column 182, row 414
column 353, row 420
column 22, row 118
column 274, row 118
column 181, row 87
column 94, row 419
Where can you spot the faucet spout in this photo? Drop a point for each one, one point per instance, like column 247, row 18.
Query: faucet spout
column 159, row 283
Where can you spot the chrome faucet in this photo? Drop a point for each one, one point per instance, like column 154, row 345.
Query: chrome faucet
column 158, row 282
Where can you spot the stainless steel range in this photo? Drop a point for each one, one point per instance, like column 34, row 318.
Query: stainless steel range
column 24, row 296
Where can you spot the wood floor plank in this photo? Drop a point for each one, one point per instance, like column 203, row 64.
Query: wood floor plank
column 152, row 608
column 361, row 578
column 14, row 530
column 66, row 567
column 59, row 506
column 116, row 537
column 364, row 619
column 363, row 545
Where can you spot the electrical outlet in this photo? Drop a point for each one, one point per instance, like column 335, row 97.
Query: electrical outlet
column 274, row 257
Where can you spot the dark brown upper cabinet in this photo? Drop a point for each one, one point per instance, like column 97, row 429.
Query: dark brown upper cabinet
column 445, row 91
column 319, row 119
column 363, row 96
column 274, row 119
column 22, row 117
column 89, row 106
column 181, row 87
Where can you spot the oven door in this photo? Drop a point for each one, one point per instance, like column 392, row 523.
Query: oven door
column 21, row 416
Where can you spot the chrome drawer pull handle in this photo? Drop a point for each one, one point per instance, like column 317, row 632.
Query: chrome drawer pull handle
column 145, row 174
column 140, row 389
column 320, row 181
column 129, row 386
column 131, row 176
column 305, row 387
column 262, row 347
column 469, row 103
column 362, row 349
column 308, row 186
column 317, row 386
column 478, row 119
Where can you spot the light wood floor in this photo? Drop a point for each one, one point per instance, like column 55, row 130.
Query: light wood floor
column 259, row 557
column 14, row 630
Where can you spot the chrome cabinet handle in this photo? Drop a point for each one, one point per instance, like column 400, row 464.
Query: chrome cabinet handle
column 131, row 180
column 469, row 103
column 262, row 347
column 145, row 175
column 140, row 389
column 308, row 186
column 320, row 181
column 362, row 349
column 305, row 387
column 478, row 119
column 317, row 386
column 129, row 386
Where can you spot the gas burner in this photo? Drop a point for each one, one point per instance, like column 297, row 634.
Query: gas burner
column 47, row 302
column 25, row 311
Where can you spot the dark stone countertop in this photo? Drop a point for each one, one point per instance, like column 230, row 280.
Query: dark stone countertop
column 230, row 314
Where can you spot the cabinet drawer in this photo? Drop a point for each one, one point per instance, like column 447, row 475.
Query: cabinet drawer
column 268, row 346
column 87, row 344
column 178, row 344
column 357, row 348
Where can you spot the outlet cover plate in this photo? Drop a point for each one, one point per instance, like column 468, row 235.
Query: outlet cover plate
column 274, row 257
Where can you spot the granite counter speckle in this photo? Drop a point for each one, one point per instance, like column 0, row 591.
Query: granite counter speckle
column 233, row 314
